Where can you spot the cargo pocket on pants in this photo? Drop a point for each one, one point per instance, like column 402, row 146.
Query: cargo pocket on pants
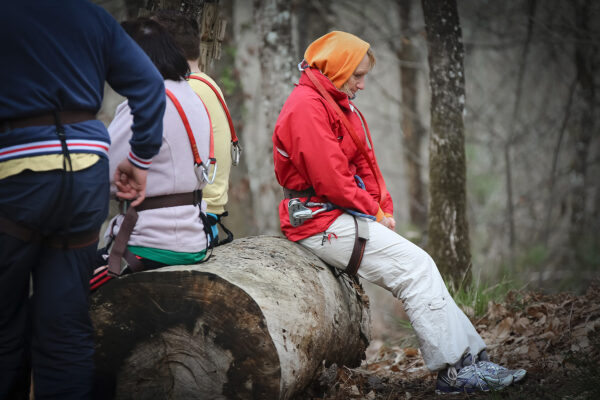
column 437, row 303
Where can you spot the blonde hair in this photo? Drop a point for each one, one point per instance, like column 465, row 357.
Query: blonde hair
column 371, row 56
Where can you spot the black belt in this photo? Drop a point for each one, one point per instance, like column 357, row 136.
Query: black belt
column 48, row 118
column 25, row 234
column 292, row 194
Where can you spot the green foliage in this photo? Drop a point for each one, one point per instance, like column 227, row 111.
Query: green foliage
column 474, row 298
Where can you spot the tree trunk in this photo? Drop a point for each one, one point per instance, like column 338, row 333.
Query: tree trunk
column 513, row 133
column 267, row 72
column 255, row 321
column 448, row 228
column 412, row 128
column 586, row 51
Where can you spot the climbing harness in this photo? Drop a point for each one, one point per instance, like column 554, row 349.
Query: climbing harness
column 56, row 239
column 119, row 251
column 215, row 219
column 236, row 149
column 200, row 168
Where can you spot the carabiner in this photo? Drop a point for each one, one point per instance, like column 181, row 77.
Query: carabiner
column 236, row 152
column 206, row 168
column 200, row 173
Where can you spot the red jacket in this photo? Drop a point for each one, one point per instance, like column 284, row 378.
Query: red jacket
column 311, row 148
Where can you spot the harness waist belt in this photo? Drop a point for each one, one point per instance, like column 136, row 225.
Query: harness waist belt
column 170, row 200
column 291, row 193
column 119, row 248
column 48, row 118
column 70, row 241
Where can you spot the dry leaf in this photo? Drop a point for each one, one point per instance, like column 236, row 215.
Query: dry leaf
column 547, row 335
column 496, row 311
column 532, row 352
column 502, row 330
column 555, row 324
column 411, row 352
column 521, row 326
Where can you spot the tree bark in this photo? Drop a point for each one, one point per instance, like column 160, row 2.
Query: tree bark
column 255, row 321
column 412, row 128
column 513, row 133
column 448, row 229
column 586, row 51
column 267, row 73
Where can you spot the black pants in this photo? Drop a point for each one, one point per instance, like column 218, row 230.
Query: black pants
column 52, row 328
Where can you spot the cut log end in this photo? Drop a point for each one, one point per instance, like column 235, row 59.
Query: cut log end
column 198, row 336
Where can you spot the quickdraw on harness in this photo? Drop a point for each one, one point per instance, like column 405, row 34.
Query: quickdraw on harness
column 119, row 249
column 236, row 149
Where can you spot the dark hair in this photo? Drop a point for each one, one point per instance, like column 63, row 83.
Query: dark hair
column 153, row 38
column 183, row 29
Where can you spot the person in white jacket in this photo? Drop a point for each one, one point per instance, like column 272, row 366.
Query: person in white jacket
column 168, row 235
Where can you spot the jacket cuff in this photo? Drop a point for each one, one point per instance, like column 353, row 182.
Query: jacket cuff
column 143, row 163
column 388, row 215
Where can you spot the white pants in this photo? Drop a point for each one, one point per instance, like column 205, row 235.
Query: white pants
column 396, row 264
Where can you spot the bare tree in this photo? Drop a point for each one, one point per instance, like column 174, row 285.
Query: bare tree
column 448, row 229
column 310, row 19
column 413, row 131
column 266, row 68
column 512, row 134
column 586, row 51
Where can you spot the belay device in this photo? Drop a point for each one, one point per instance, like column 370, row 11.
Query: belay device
column 300, row 212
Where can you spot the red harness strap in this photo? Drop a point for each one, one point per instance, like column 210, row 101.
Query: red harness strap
column 188, row 129
column 366, row 129
column 234, row 138
column 350, row 129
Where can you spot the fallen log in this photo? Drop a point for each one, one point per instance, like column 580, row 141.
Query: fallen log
column 256, row 321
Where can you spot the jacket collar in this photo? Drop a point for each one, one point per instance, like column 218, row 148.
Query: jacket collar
column 338, row 96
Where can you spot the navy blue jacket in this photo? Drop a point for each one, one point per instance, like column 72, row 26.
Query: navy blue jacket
column 56, row 55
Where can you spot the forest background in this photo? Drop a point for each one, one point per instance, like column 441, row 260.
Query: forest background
column 530, row 126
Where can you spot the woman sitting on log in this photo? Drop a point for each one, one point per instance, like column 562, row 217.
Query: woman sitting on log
column 168, row 227
column 337, row 206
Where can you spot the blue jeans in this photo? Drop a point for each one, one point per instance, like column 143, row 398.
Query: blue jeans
column 49, row 331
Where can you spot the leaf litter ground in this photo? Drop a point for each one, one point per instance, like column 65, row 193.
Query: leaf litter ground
column 556, row 338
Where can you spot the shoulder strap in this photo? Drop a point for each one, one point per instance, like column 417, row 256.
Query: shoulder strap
column 366, row 128
column 350, row 129
column 188, row 129
column 234, row 138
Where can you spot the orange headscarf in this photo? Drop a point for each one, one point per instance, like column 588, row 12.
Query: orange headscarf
column 336, row 54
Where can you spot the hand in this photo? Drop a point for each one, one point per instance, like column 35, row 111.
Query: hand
column 388, row 222
column 131, row 182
